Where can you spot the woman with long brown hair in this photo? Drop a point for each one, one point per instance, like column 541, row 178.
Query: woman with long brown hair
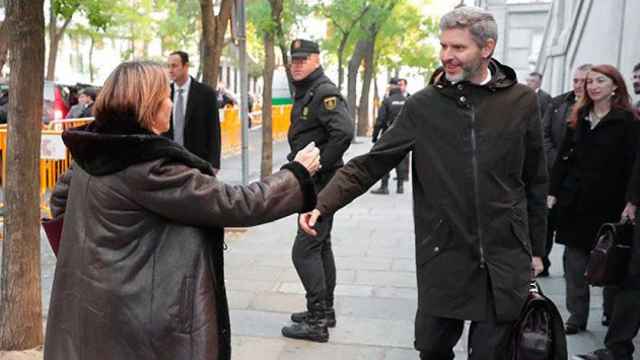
column 590, row 177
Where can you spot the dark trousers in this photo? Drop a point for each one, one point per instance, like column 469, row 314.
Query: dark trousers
column 609, row 294
column 313, row 259
column 488, row 340
column 551, row 232
column 402, row 172
column 578, row 296
column 625, row 323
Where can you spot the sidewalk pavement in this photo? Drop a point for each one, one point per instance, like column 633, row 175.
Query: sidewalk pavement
column 373, row 242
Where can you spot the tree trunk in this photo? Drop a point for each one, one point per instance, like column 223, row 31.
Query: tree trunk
column 214, row 27
column 352, row 77
column 20, row 297
column 266, row 165
column 287, row 66
column 341, row 48
column 363, row 108
column 91, row 49
column 55, row 36
column 4, row 44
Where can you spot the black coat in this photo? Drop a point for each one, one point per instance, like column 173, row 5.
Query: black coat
column 544, row 100
column 479, row 189
column 202, row 123
column 388, row 112
column 555, row 125
column 320, row 114
column 591, row 176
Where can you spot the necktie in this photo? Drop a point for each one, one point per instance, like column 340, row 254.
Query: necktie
column 178, row 119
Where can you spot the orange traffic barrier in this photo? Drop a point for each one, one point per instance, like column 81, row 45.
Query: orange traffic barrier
column 232, row 132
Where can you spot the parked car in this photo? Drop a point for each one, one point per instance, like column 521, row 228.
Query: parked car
column 55, row 100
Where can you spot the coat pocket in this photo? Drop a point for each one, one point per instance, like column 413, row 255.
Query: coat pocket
column 185, row 314
column 431, row 245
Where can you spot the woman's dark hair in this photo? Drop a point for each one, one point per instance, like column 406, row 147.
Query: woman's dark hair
column 620, row 100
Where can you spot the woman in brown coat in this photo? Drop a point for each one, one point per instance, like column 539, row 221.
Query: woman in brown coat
column 140, row 266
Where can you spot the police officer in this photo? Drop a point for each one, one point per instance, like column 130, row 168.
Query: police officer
column 319, row 114
column 388, row 112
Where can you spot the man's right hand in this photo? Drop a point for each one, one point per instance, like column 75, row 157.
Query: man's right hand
column 308, row 221
column 551, row 201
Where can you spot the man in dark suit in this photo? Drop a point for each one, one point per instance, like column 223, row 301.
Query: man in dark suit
column 544, row 99
column 195, row 122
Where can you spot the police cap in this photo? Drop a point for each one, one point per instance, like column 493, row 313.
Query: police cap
column 301, row 48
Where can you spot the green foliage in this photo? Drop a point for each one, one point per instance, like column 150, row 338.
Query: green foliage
column 98, row 12
column 293, row 12
column 405, row 40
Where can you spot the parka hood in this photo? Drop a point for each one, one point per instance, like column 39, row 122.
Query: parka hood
column 103, row 148
column 502, row 77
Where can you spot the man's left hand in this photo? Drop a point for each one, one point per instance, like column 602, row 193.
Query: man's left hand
column 537, row 265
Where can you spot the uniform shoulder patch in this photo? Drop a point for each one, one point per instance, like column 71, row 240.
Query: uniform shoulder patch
column 330, row 102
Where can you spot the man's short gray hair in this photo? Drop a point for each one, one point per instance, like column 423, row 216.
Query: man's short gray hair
column 480, row 23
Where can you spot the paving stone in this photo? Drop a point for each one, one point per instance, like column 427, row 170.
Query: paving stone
column 396, row 292
column 296, row 350
column 386, row 278
column 258, row 323
column 253, row 348
column 239, row 299
column 405, row 265
column 257, row 273
column 377, row 308
column 278, row 302
column 363, row 263
column 375, row 332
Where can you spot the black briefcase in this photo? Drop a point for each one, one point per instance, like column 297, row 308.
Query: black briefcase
column 539, row 332
column 609, row 260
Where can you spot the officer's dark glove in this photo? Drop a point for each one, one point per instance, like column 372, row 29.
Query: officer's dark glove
column 374, row 139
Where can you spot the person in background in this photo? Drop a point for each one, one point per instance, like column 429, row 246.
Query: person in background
column 82, row 109
column 590, row 178
column 387, row 113
column 534, row 81
column 554, row 125
column 195, row 121
column 224, row 98
column 403, row 87
column 319, row 114
column 4, row 106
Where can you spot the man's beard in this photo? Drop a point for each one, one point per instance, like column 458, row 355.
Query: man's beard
column 636, row 88
column 469, row 70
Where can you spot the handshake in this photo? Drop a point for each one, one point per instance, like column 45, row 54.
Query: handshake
column 309, row 157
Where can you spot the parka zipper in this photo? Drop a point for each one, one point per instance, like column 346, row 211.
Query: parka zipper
column 476, row 187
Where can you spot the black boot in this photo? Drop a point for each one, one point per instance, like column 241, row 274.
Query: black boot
column 313, row 328
column 330, row 316
column 400, row 189
column 384, row 187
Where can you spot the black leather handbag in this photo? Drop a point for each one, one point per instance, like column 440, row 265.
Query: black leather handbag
column 539, row 332
column 609, row 260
